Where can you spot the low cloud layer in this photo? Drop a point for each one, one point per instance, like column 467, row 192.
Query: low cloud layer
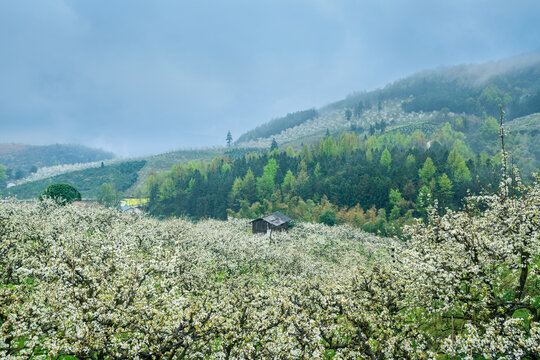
column 137, row 78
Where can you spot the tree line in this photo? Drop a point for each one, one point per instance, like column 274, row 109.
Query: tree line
column 378, row 183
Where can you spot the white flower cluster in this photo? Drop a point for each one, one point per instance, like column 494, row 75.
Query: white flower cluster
column 92, row 282
column 50, row 171
column 335, row 121
column 478, row 271
column 96, row 283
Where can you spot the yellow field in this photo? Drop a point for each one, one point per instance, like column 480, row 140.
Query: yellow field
column 135, row 202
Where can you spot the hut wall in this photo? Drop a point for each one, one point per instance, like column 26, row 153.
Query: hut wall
column 259, row 226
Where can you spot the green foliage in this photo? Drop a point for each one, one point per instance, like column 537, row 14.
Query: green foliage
column 61, row 193
column 386, row 159
column 444, row 189
column 23, row 157
column 273, row 145
column 344, row 174
column 87, row 181
column 108, row 195
column 3, row 176
column 427, row 171
column 395, row 197
column 328, row 218
column 265, row 183
column 490, row 128
column 459, row 170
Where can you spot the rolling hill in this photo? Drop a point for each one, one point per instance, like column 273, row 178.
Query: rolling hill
column 465, row 95
column 24, row 159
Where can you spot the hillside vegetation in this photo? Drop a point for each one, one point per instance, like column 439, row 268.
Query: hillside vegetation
column 276, row 126
column 21, row 159
column 378, row 183
column 88, row 181
column 467, row 90
column 464, row 96
column 93, row 283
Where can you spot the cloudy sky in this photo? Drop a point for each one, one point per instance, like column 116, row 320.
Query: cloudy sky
column 141, row 77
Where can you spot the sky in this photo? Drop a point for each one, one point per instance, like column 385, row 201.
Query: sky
column 138, row 77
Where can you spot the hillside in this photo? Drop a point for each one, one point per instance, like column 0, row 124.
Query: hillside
column 21, row 160
column 465, row 96
column 467, row 90
column 464, row 286
column 121, row 175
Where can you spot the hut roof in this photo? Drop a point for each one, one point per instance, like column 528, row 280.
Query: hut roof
column 275, row 219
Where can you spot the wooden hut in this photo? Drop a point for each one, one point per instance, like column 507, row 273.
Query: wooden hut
column 272, row 222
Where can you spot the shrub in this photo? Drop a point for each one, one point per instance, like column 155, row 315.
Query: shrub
column 61, row 193
column 328, row 218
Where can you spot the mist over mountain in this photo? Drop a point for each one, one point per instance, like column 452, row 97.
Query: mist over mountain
column 134, row 78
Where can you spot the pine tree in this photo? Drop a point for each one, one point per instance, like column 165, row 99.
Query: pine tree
column 427, row 171
column 386, row 159
column 274, row 145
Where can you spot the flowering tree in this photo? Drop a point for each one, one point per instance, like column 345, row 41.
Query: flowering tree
column 96, row 283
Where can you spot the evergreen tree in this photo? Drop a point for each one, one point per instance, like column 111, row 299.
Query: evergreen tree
column 288, row 183
column 444, row 189
column 229, row 138
column 265, row 183
column 249, row 187
column 348, row 114
column 458, row 169
column 61, row 193
column 386, row 159
column 427, row 171
column 274, row 145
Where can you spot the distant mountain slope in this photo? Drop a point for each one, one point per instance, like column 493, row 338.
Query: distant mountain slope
column 21, row 158
column 425, row 101
column 276, row 126
column 122, row 175
column 470, row 90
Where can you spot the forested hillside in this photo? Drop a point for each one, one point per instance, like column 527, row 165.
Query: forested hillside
column 95, row 283
column 21, row 160
column 88, row 181
column 466, row 97
column 468, row 90
column 278, row 125
column 379, row 182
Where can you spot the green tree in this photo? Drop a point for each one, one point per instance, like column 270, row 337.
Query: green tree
column 348, row 114
column 317, row 171
column 274, row 145
column 3, row 176
column 458, row 169
column 490, row 128
column 395, row 197
column 237, row 192
column 61, row 193
column 386, row 159
column 410, row 162
column 444, row 189
column 229, row 138
column 328, row 218
column 108, row 195
column 427, row 171
column 265, row 183
column 329, row 147
column 289, row 183
column 249, row 186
